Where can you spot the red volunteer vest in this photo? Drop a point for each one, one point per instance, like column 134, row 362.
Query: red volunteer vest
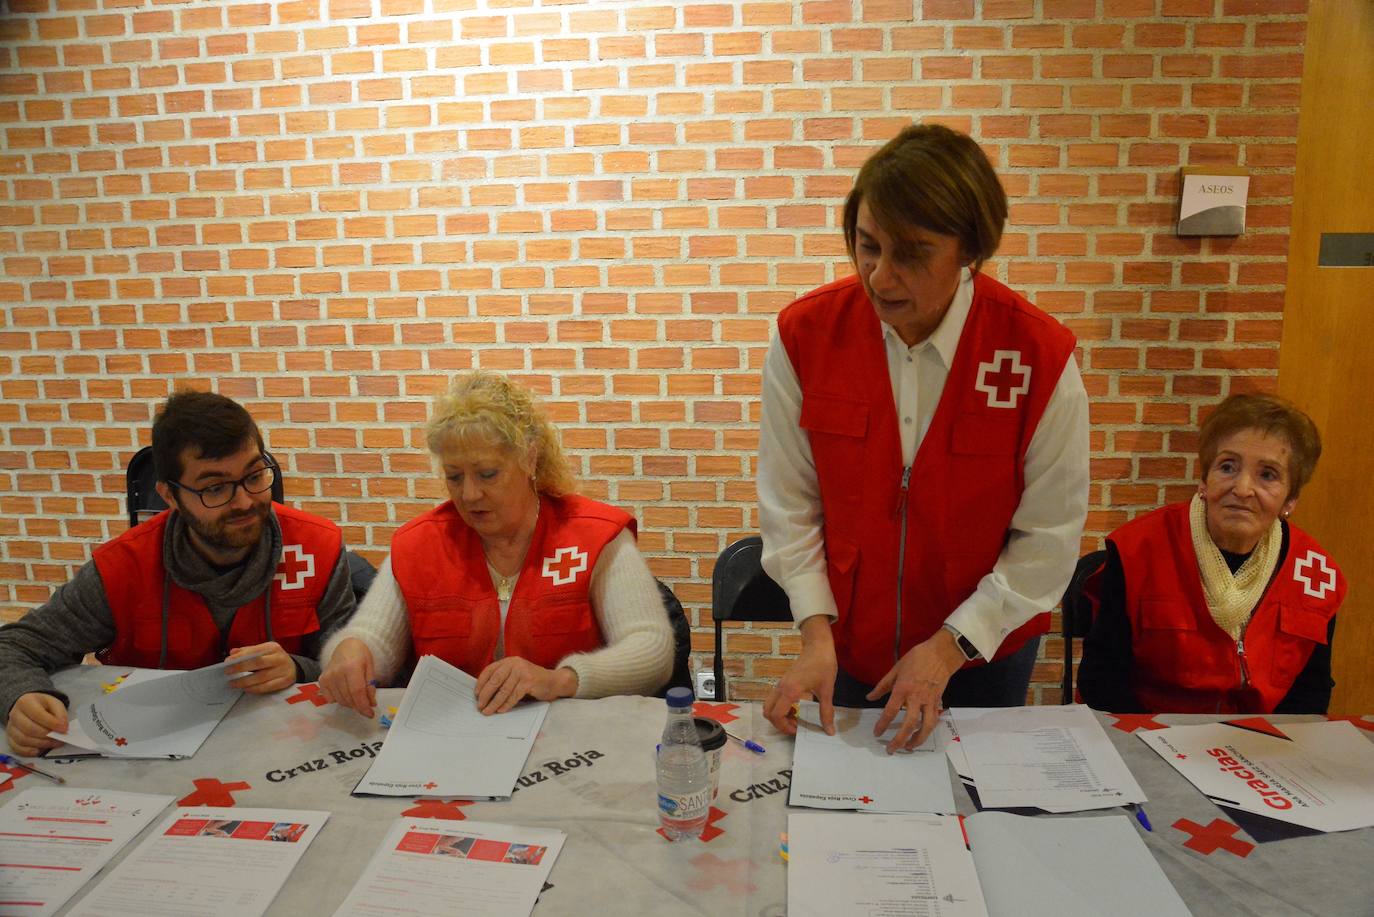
column 452, row 604
column 1183, row 662
column 967, row 477
column 132, row 572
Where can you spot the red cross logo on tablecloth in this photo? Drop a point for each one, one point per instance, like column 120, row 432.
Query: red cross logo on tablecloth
column 1217, row 834
column 1130, row 722
column 1326, row 577
column 718, row 712
column 121, row 741
column 437, row 808
column 1355, row 721
column 210, row 792
column 997, row 377
column 295, row 568
column 15, row 773
column 310, row 692
column 302, row 726
column 713, row 872
column 710, row 832
column 564, row 565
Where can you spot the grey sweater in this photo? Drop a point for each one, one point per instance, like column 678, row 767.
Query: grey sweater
column 77, row 619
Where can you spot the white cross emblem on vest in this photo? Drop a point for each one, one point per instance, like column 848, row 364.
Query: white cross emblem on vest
column 1326, row 581
column 996, row 377
column 295, row 568
column 564, row 565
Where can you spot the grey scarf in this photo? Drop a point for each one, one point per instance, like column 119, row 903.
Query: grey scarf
column 225, row 590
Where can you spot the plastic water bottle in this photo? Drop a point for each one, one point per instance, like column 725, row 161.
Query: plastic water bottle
column 684, row 784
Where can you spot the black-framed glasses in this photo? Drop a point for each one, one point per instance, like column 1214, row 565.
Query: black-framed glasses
column 221, row 494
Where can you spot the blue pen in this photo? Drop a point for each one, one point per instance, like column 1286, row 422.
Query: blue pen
column 15, row 762
column 1141, row 817
column 750, row 744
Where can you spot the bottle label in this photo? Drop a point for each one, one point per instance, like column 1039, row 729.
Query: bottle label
column 687, row 805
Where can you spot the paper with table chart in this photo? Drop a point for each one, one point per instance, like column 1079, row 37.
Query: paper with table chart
column 54, row 839
column 1008, row 866
column 1316, row 775
column 440, row 745
column 1056, row 759
column 427, row 866
column 852, row 769
column 144, row 713
column 210, row 862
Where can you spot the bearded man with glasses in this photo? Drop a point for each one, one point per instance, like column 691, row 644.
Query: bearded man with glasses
column 224, row 572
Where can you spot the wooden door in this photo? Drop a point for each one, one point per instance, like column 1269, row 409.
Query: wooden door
column 1327, row 360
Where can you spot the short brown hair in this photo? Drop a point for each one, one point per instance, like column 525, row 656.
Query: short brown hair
column 936, row 178
column 210, row 423
column 488, row 408
column 1269, row 414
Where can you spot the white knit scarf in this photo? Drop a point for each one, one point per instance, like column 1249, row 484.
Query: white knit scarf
column 1232, row 597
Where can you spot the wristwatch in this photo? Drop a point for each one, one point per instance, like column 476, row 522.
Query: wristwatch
column 965, row 644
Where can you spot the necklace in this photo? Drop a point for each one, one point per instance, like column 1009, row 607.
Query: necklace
column 505, row 585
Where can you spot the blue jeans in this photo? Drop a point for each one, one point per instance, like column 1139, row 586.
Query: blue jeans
column 1003, row 683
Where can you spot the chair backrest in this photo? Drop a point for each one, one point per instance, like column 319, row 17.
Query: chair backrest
column 140, row 486
column 682, row 641
column 741, row 591
column 1076, row 614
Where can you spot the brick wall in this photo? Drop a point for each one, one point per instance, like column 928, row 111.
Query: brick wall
column 324, row 208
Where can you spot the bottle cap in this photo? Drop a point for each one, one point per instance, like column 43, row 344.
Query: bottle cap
column 680, row 697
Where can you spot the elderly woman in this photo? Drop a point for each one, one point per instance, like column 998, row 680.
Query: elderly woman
column 1220, row 605
column 534, row 590
column 923, row 454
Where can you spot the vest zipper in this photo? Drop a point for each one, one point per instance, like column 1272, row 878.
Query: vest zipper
column 901, row 561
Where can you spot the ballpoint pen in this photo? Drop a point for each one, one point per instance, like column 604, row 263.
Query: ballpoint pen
column 750, row 744
column 1141, row 817
column 15, row 762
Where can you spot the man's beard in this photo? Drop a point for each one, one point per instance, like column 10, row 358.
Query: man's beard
column 220, row 536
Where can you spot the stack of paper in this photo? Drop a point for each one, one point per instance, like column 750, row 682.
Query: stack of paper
column 432, row 866
column 1056, row 759
column 54, row 839
column 852, row 769
column 1316, row 775
column 440, row 745
column 1017, row 867
column 144, row 713
column 208, row 862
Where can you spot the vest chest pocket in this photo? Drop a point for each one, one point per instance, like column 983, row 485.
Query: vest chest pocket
column 1300, row 631
column 441, row 618
column 293, row 619
column 986, row 436
column 565, row 614
column 1166, row 644
column 827, row 414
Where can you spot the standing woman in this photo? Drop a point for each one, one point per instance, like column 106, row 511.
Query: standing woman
column 923, row 458
column 516, row 580
column 1220, row 605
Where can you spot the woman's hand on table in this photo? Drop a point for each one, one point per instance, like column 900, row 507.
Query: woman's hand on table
column 506, row 682
column 917, row 682
column 272, row 671
column 812, row 674
column 32, row 717
column 349, row 678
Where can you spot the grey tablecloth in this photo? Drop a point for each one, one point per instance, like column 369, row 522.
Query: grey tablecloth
column 591, row 774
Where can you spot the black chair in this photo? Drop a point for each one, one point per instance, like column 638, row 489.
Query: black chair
column 682, row 641
column 140, row 484
column 741, row 591
column 1076, row 614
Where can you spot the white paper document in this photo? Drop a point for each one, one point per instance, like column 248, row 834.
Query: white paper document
column 144, row 713
column 54, row 839
column 440, row 745
column 852, row 769
column 433, row 866
column 1056, row 759
column 1316, row 775
column 206, row 862
column 998, row 864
